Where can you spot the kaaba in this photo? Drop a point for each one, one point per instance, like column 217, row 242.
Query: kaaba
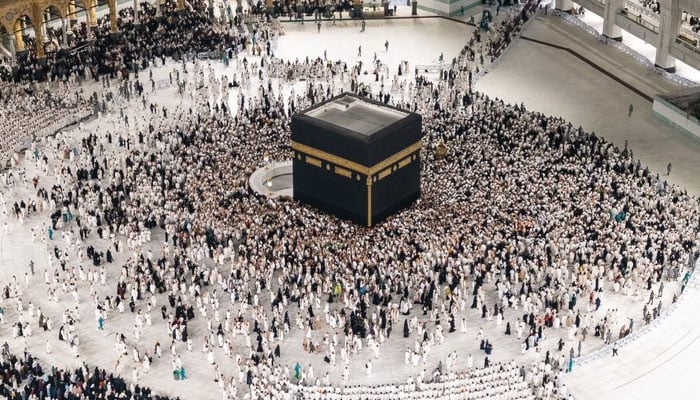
column 356, row 158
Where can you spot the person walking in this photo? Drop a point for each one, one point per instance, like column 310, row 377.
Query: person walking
column 631, row 108
column 614, row 350
column 318, row 25
column 386, row 45
column 359, row 51
column 668, row 169
column 183, row 376
column 297, row 371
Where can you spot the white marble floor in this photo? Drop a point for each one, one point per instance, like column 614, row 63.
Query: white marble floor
column 565, row 88
column 577, row 92
column 405, row 36
column 659, row 364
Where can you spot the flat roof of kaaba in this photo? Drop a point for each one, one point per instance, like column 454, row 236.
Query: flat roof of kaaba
column 357, row 115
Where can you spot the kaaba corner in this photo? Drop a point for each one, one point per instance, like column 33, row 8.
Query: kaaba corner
column 356, row 158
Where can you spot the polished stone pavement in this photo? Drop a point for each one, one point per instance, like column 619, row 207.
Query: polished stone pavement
column 544, row 79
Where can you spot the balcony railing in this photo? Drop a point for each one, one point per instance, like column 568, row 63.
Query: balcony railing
column 639, row 20
column 691, row 45
column 690, row 34
column 638, row 9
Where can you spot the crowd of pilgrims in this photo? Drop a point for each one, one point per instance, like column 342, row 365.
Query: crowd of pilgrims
column 653, row 5
column 23, row 377
column 96, row 52
column 692, row 20
column 528, row 229
column 34, row 109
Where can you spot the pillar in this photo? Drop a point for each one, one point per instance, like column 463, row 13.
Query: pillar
column 136, row 12
column 45, row 18
column 19, row 38
column 12, row 45
column 610, row 30
column 669, row 27
column 92, row 12
column 564, row 5
column 72, row 14
column 91, row 6
column 88, row 19
column 113, row 16
column 38, row 20
column 91, row 17
column 158, row 12
column 64, row 25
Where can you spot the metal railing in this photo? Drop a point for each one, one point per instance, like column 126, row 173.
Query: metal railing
column 639, row 21
column 642, row 10
column 694, row 48
column 676, row 79
column 690, row 34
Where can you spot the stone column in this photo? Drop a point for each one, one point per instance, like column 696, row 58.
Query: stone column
column 89, row 24
column 19, row 38
column 45, row 18
column 136, row 12
column 669, row 27
column 564, row 5
column 12, row 45
column 113, row 15
column 210, row 8
column 72, row 14
column 92, row 12
column 64, row 26
column 37, row 20
column 610, row 30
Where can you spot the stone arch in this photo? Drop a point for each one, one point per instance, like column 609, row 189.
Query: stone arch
column 53, row 29
column 4, row 33
column 12, row 12
column 82, row 6
column 85, row 11
column 22, row 25
column 55, row 10
column 72, row 11
column 5, row 22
